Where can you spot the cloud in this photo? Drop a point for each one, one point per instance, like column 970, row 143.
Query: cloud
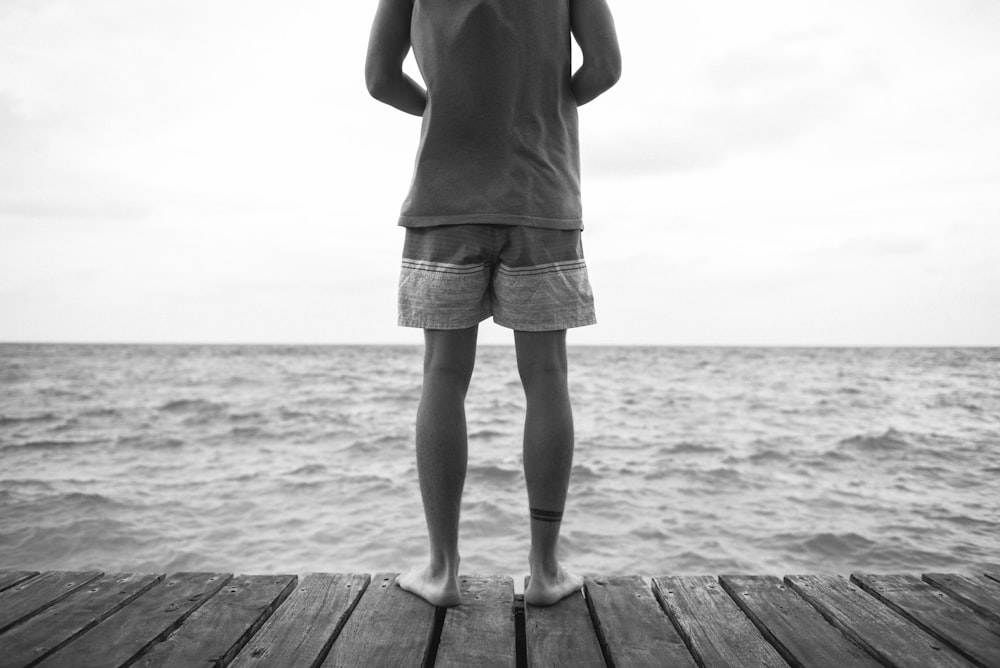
column 748, row 97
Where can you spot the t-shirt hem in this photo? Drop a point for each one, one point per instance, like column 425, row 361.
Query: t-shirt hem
column 492, row 219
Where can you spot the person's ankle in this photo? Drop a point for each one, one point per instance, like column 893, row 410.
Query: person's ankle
column 543, row 564
column 444, row 565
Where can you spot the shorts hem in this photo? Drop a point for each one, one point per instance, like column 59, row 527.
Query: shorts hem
column 508, row 324
column 424, row 323
column 491, row 219
column 545, row 326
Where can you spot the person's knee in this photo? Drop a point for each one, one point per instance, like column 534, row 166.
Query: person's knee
column 541, row 358
column 546, row 371
column 450, row 357
column 442, row 368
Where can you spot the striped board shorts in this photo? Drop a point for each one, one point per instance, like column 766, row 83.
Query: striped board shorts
column 528, row 278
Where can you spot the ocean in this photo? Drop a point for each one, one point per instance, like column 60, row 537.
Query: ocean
column 267, row 458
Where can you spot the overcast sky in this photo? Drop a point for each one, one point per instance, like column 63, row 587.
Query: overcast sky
column 767, row 172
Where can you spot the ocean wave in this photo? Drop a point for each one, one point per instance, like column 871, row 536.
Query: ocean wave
column 150, row 442
column 84, row 501
column 487, row 434
column 291, row 414
column 26, row 483
column 14, row 420
column 688, row 448
column 309, row 469
column 825, row 544
column 63, row 393
column 53, row 444
column 583, row 472
column 249, row 433
column 101, row 413
column 889, row 441
column 769, row 457
column 245, row 417
column 494, row 472
column 186, row 406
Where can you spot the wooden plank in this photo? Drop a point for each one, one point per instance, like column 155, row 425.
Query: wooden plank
column 879, row 630
column 218, row 630
column 124, row 636
column 10, row 578
column 300, row 631
column 976, row 637
column 631, row 626
column 480, row 631
column 389, row 627
column 21, row 601
column 795, row 628
column 85, row 608
column 561, row 634
column 976, row 591
column 714, row 628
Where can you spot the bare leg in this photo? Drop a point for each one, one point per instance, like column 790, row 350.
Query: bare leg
column 548, row 458
column 442, row 453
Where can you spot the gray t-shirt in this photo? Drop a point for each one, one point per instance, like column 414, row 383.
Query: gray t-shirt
column 499, row 140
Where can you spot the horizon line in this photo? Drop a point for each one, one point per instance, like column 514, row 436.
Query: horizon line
column 491, row 344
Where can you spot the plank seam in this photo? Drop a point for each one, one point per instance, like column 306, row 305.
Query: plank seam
column 685, row 636
column 49, row 604
column 520, row 634
column 761, row 627
column 325, row 651
column 13, row 583
column 960, row 597
column 602, row 640
column 242, row 641
column 434, row 638
column 906, row 614
column 848, row 632
column 174, row 625
column 98, row 620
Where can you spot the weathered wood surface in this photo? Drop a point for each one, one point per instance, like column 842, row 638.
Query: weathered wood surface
column 216, row 631
column 881, row 631
column 712, row 625
column 20, row 602
column 793, row 626
column 279, row 621
column 972, row 635
column 632, row 628
column 129, row 632
column 480, row 632
column 561, row 634
column 300, row 632
column 84, row 608
column 976, row 591
column 10, row 578
column 389, row 627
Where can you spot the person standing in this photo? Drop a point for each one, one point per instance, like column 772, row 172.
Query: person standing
column 493, row 224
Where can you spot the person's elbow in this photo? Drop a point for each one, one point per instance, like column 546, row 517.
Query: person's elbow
column 595, row 77
column 609, row 69
column 377, row 80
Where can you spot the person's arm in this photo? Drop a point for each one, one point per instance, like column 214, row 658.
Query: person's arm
column 594, row 29
column 388, row 45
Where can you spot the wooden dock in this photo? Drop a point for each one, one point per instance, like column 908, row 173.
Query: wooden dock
column 80, row 619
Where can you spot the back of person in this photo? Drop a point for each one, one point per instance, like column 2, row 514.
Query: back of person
column 493, row 228
column 499, row 136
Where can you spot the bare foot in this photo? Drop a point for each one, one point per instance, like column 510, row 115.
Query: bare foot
column 440, row 590
column 548, row 588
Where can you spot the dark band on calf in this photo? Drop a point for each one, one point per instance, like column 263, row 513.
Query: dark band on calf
column 546, row 515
